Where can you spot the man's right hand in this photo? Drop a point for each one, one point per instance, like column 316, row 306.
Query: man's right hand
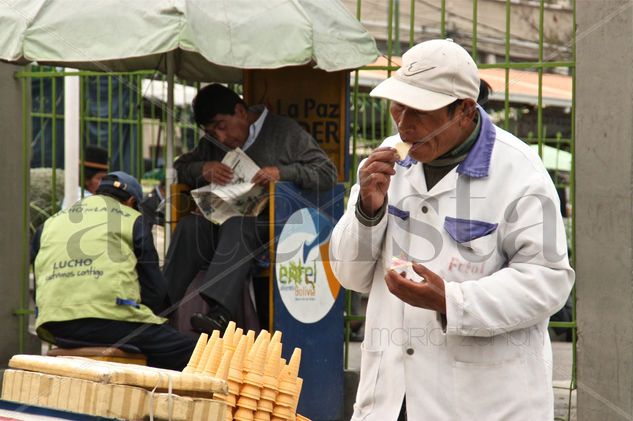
column 217, row 172
column 374, row 178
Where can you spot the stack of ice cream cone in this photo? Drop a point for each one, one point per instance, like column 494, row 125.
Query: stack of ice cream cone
column 289, row 389
column 223, row 373
column 261, row 386
column 194, row 361
column 270, row 383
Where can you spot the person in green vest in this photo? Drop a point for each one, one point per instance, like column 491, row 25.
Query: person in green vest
column 97, row 276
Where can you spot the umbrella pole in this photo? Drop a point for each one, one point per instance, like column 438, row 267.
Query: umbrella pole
column 170, row 174
column 71, row 138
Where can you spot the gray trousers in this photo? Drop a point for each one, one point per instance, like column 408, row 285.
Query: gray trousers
column 227, row 254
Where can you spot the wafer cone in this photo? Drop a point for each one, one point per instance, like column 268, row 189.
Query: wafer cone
column 250, row 336
column 249, row 353
column 250, row 391
column 295, row 360
column 285, row 398
column 276, row 337
column 234, row 386
column 243, row 414
column 297, row 394
column 239, row 332
column 215, row 335
column 269, row 380
column 253, row 379
column 271, row 369
column 261, row 415
column 196, row 354
column 229, row 333
column 237, row 362
column 281, row 412
column 223, row 369
column 262, row 340
column 206, row 354
column 215, row 357
column 287, row 387
column 273, row 360
column 265, row 405
column 302, row 418
column 247, row 402
column 223, row 373
column 235, row 373
column 258, row 362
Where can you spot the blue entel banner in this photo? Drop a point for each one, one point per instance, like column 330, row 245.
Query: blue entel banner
column 308, row 300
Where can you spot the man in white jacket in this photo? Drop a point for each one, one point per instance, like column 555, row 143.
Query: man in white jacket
column 460, row 331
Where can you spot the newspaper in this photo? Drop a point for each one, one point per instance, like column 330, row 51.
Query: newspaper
column 239, row 197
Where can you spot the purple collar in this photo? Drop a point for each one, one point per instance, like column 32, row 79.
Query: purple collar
column 407, row 162
column 477, row 163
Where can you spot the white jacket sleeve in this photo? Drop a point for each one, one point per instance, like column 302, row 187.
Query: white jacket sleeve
column 536, row 280
column 355, row 248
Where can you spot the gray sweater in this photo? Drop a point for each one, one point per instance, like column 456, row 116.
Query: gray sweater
column 281, row 143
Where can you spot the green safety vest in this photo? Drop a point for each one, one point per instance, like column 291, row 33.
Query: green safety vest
column 86, row 265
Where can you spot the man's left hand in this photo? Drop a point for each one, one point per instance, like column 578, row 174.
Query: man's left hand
column 428, row 294
column 266, row 175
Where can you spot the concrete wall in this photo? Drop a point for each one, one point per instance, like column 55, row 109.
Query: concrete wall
column 11, row 209
column 604, row 209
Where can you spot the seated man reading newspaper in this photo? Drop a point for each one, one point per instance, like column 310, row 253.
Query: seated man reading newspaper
column 243, row 150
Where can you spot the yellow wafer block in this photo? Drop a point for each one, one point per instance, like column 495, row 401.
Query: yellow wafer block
column 403, row 149
column 105, row 400
column 117, row 373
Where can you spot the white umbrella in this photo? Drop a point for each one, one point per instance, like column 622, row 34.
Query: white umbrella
column 202, row 40
column 212, row 40
column 157, row 90
column 555, row 159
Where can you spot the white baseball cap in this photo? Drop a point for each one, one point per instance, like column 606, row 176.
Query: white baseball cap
column 433, row 74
